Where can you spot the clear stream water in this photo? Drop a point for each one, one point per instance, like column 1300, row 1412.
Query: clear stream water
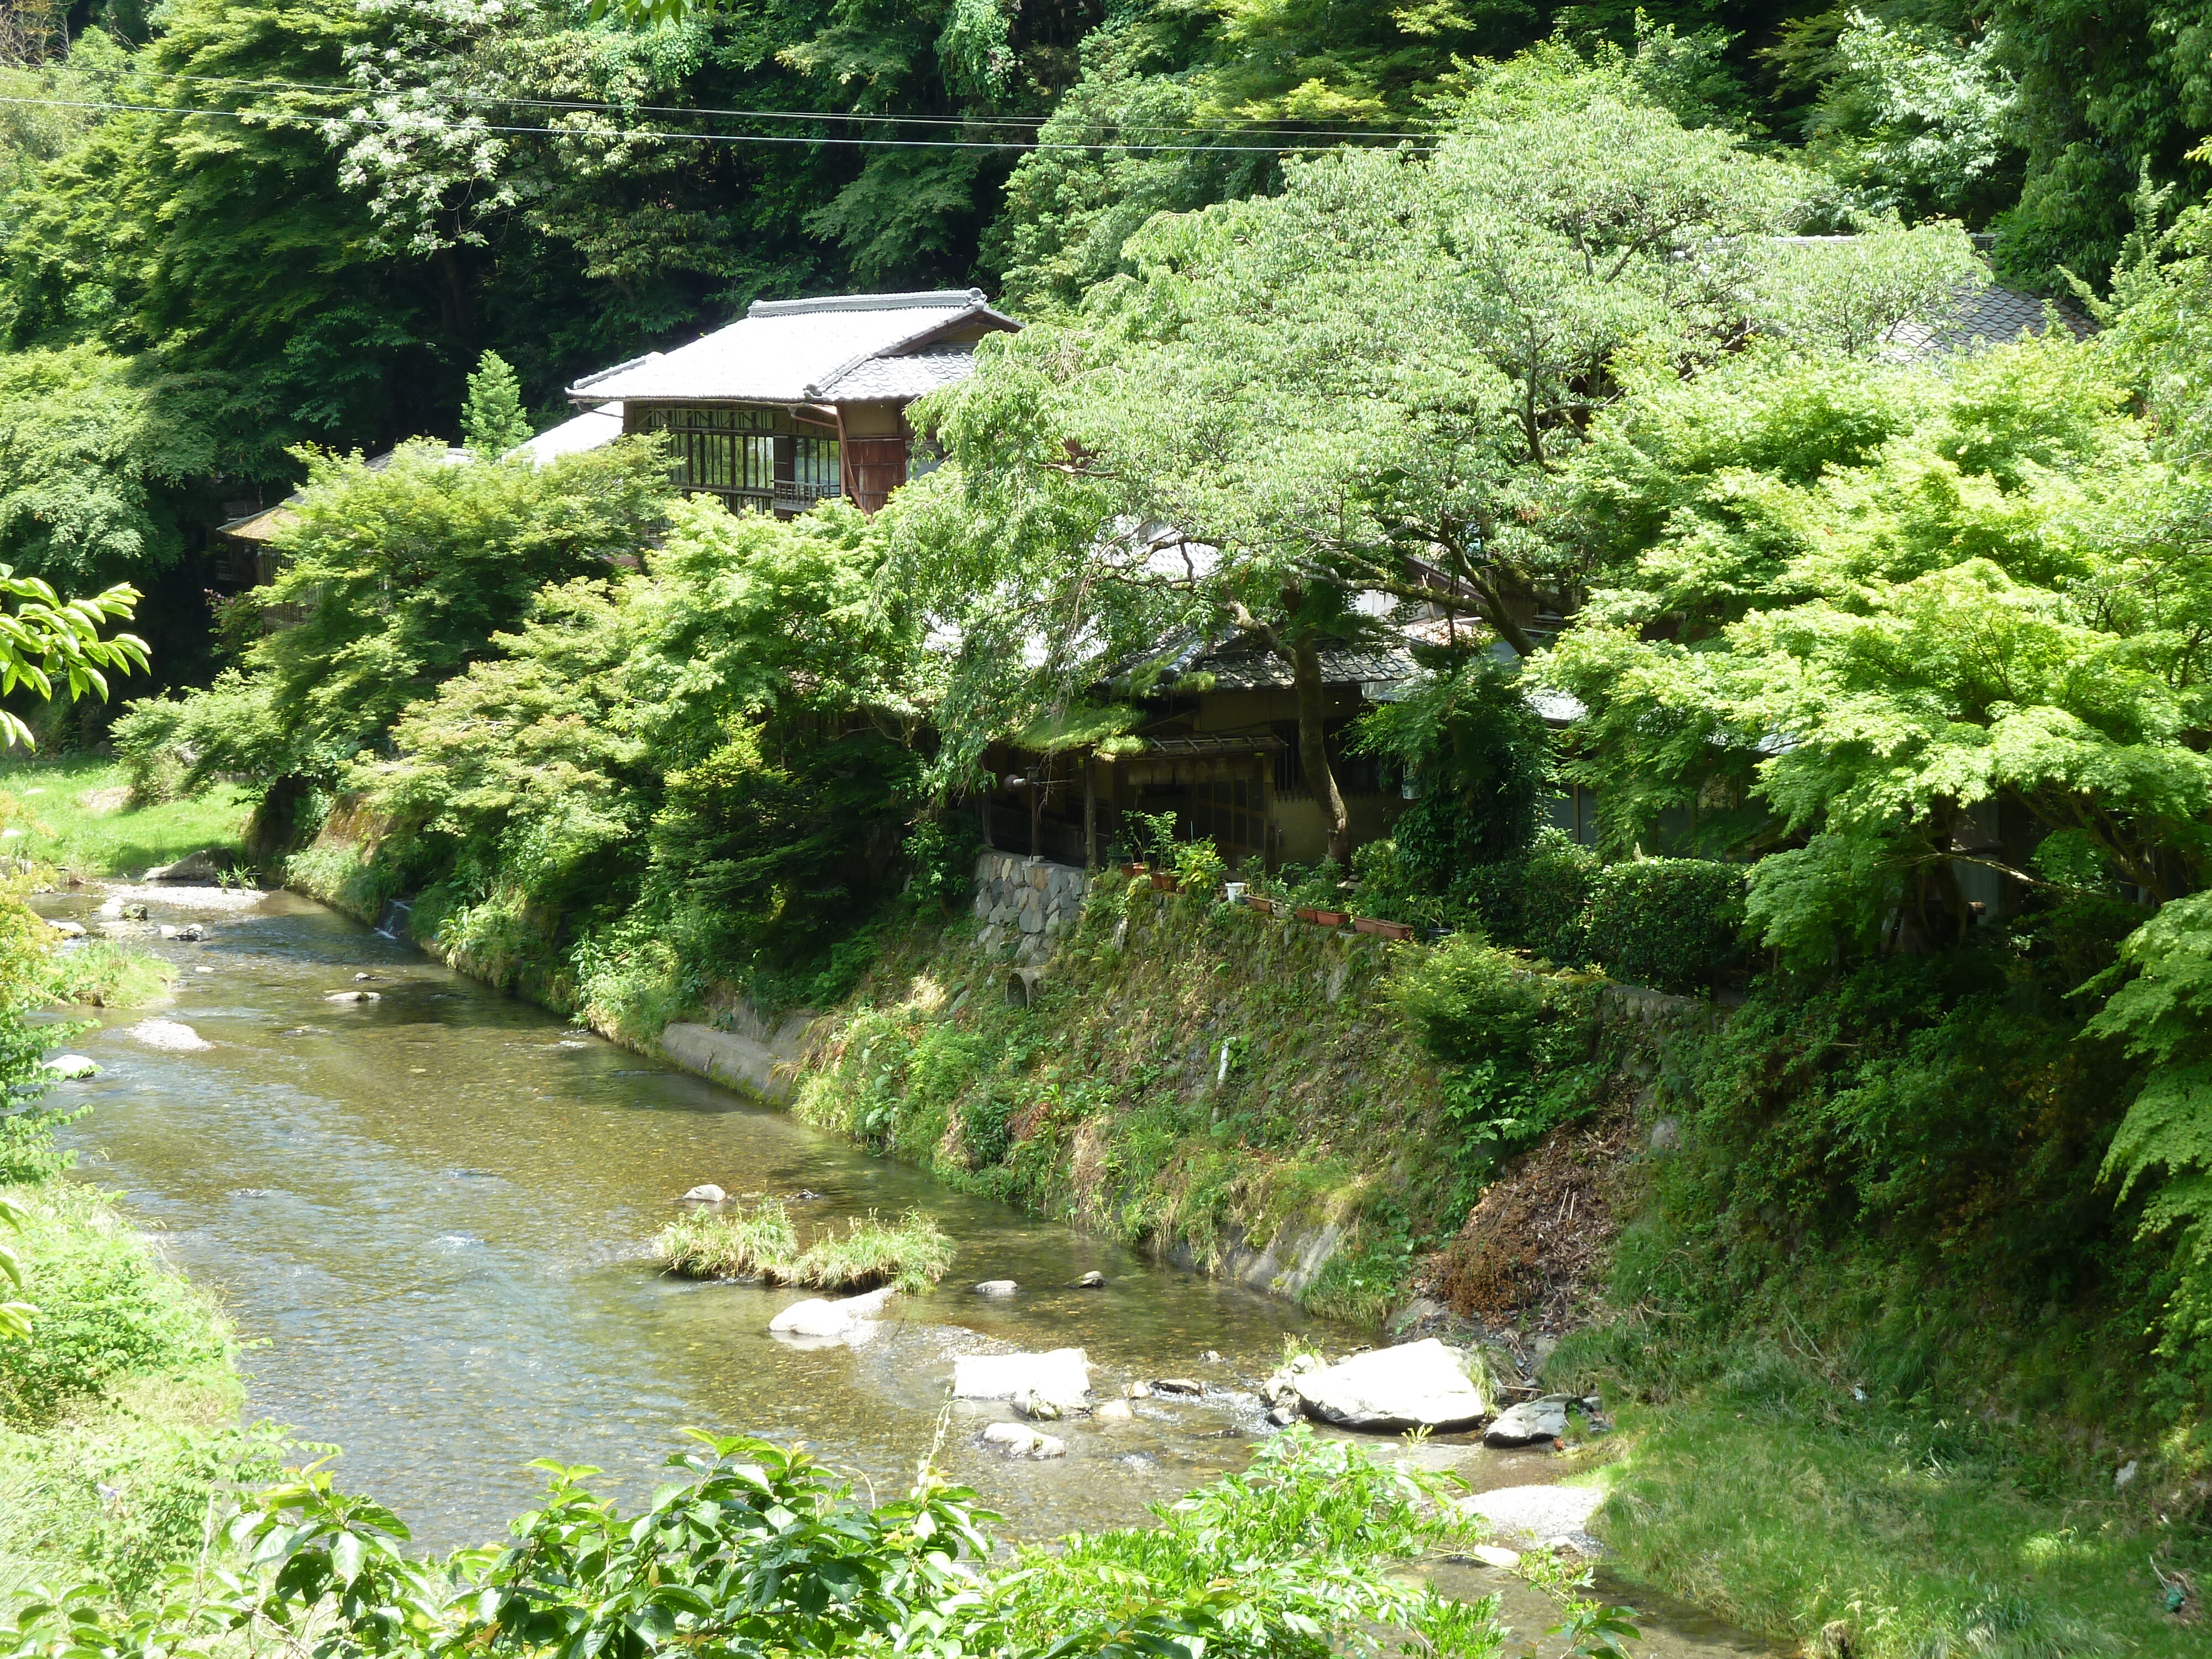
column 430, row 1217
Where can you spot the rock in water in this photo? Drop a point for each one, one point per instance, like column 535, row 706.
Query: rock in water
column 1423, row 1385
column 192, row 932
column 1177, row 1385
column 997, row 1287
column 72, row 1068
column 820, row 1317
column 68, row 929
column 355, row 998
column 195, row 867
column 1531, row 1422
column 1496, row 1555
column 1115, row 1411
column 171, row 1036
column 1063, row 1376
column 706, row 1193
column 1537, row 1514
column 1093, row 1280
column 1036, row 1406
column 1017, row 1441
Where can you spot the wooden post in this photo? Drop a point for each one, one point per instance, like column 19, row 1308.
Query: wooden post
column 1089, row 813
column 1268, row 837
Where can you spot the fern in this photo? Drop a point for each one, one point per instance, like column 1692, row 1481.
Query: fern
column 2162, row 1014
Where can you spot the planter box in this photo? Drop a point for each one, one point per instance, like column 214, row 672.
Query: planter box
column 1324, row 918
column 1265, row 906
column 1387, row 929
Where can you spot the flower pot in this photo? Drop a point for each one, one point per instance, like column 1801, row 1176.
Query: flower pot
column 1387, row 929
column 1323, row 918
column 1164, row 882
column 1133, row 868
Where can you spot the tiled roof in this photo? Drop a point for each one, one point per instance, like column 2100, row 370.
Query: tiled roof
column 1985, row 316
column 792, row 351
column 1248, row 665
column 902, row 379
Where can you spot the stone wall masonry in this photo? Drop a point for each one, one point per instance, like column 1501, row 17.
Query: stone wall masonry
column 1026, row 903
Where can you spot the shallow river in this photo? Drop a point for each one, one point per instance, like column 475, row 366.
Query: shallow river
column 430, row 1217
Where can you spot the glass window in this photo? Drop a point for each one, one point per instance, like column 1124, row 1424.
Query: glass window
column 814, row 467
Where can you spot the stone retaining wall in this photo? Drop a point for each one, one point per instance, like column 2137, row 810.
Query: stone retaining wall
column 1025, row 904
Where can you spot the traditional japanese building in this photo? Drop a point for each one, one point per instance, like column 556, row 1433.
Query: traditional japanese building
column 801, row 399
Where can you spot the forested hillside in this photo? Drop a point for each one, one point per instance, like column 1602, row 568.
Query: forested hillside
column 226, row 229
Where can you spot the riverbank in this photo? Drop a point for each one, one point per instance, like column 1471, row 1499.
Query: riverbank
column 1242, row 1093
column 120, row 1437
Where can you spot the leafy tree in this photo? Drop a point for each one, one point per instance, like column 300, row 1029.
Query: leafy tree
column 1478, row 755
column 397, row 577
column 492, row 421
column 1367, row 384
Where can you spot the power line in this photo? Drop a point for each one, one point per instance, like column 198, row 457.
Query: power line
column 348, row 90
column 277, row 117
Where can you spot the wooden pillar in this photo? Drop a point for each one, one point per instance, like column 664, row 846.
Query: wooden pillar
column 1269, row 852
column 1089, row 813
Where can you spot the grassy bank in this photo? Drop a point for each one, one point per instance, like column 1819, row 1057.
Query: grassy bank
column 118, row 1418
column 912, row 1252
column 81, row 819
column 1899, row 1535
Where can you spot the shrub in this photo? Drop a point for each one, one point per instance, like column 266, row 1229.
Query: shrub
column 911, row 1253
column 106, row 1311
column 941, row 854
column 1535, row 903
column 1672, row 924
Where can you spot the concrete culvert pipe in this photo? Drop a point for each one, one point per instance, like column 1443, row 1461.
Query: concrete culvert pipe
column 1022, row 985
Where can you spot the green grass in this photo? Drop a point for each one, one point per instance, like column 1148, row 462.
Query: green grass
column 118, row 1418
column 112, row 837
column 1927, row 1537
column 911, row 1253
column 107, row 974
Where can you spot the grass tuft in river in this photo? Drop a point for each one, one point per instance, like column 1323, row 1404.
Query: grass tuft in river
column 911, row 1253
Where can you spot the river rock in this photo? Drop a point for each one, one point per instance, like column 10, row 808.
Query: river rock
column 1422, row 1385
column 192, row 932
column 193, row 867
column 68, row 929
column 705, row 1193
column 171, row 1036
column 1115, row 1411
column 1035, row 1407
column 1538, row 1514
column 1496, row 1555
column 838, row 1319
column 1177, row 1385
column 1062, row 1377
column 997, row 1287
column 73, row 1068
column 1018, row 1440
column 1530, row 1422
column 354, row 998
column 1093, row 1280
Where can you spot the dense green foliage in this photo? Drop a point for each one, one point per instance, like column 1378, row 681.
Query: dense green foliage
column 757, row 1550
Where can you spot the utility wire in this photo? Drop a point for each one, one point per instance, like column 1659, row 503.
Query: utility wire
column 348, row 90
column 275, row 118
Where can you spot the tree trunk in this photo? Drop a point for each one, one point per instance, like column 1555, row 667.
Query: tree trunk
column 1313, row 750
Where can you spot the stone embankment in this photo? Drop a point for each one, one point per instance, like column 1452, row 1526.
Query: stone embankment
column 1025, row 904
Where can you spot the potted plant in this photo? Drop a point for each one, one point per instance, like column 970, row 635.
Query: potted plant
column 1386, row 929
column 1314, row 896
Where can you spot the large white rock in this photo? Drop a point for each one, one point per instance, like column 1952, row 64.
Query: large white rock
column 192, row 867
column 823, row 1317
column 73, row 1068
column 1062, row 1377
column 170, row 1035
column 1423, row 1385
